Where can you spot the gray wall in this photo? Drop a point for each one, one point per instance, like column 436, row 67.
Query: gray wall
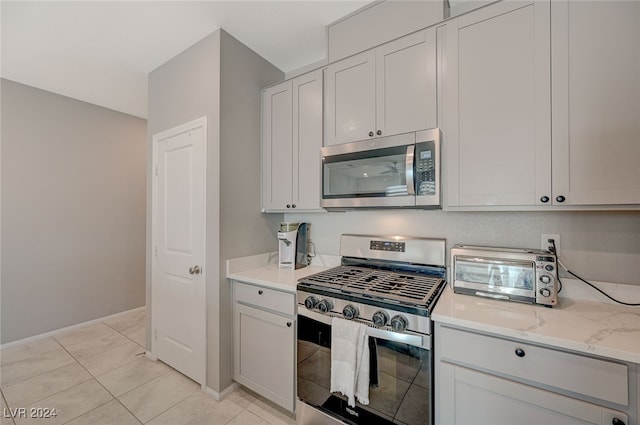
column 219, row 78
column 602, row 246
column 73, row 218
column 243, row 229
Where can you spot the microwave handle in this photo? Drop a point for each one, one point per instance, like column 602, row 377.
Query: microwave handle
column 409, row 170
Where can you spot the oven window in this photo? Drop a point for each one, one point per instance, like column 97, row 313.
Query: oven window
column 399, row 385
column 517, row 275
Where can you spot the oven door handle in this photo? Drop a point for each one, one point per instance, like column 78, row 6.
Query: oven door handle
column 387, row 335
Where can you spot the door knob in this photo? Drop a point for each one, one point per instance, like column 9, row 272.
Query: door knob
column 194, row 270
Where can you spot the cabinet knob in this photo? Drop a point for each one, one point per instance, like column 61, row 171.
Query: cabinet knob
column 560, row 198
column 544, row 199
column 288, row 324
column 379, row 132
column 260, row 292
column 520, row 352
column 288, row 205
column 371, row 134
column 617, row 421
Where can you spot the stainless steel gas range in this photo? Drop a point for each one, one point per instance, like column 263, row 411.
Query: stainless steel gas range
column 389, row 284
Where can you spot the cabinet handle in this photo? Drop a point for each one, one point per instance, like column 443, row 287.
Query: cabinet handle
column 289, row 325
column 520, row 352
column 260, row 292
column 371, row 134
column 544, row 199
column 288, row 205
column 379, row 132
column 617, row 421
column 560, row 198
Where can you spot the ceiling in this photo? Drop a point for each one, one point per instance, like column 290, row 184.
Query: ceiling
column 101, row 52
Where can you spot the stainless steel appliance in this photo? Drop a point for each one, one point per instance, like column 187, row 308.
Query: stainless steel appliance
column 396, row 171
column 390, row 284
column 524, row 275
column 292, row 245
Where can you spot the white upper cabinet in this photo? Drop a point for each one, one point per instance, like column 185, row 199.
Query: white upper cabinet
column 596, row 102
column 307, row 141
column 497, row 97
column 382, row 92
column 350, row 96
column 291, row 142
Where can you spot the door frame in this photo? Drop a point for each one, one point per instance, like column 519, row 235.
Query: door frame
column 156, row 139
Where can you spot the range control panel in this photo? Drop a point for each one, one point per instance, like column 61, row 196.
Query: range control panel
column 387, row 246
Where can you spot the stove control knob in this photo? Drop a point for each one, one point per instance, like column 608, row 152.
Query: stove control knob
column 325, row 306
column 350, row 311
column 399, row 323
column 311, row 302
column 380, row 318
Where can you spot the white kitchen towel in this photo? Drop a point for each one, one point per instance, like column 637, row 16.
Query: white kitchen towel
column 350, row 360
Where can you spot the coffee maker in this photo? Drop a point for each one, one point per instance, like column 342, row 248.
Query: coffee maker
column 292, row 245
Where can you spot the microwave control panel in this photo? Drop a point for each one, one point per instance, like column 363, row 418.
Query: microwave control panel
column 425, row 168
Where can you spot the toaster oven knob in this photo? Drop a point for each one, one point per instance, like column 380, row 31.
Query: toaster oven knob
column 545, row 292
column 325, row 306
column 380, row 318
column 350, row 311
column 545, row 279
column 399, row 323
column 311, row 302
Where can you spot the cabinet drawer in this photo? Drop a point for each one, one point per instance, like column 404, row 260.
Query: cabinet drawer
column 271, row 299
column 601, row 379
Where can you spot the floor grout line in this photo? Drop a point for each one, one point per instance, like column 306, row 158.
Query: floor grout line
column 95, row 378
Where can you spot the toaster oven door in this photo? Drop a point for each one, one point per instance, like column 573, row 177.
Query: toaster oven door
column 507, row 279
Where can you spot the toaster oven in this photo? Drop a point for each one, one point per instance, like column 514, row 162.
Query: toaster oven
column 510, row 274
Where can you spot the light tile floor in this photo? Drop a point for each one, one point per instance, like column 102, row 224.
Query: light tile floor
column 99, row 375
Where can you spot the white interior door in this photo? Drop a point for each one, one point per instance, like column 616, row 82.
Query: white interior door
column 178, row 310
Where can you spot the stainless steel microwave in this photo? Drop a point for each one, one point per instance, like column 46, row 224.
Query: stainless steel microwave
column 511, row 274
column 400, row 171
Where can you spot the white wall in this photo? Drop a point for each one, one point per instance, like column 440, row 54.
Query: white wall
column 73, row 211
column 601, row 246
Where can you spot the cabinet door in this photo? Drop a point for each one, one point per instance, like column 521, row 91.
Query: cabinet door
column 406, row 84
column 596, row 102
column 498, row 133
column 264, row 354
column 350, row 99
column 470, row 397
column 307, row 140
column 277, row 146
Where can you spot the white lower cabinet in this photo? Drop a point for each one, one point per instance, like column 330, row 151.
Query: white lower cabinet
column 483, row 379
column 264, row 342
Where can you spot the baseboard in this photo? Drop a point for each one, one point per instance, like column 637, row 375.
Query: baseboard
column 150, row 356
column 67, row 329
column 221, row 395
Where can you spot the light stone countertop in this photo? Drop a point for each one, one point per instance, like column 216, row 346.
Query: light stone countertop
column 263, row 270
column 589, row 327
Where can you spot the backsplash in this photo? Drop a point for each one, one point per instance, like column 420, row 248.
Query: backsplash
column 598, row 246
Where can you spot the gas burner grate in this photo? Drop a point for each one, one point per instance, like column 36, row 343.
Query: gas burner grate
column 413, row 289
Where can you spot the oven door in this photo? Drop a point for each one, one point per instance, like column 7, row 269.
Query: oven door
column 401, row 377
